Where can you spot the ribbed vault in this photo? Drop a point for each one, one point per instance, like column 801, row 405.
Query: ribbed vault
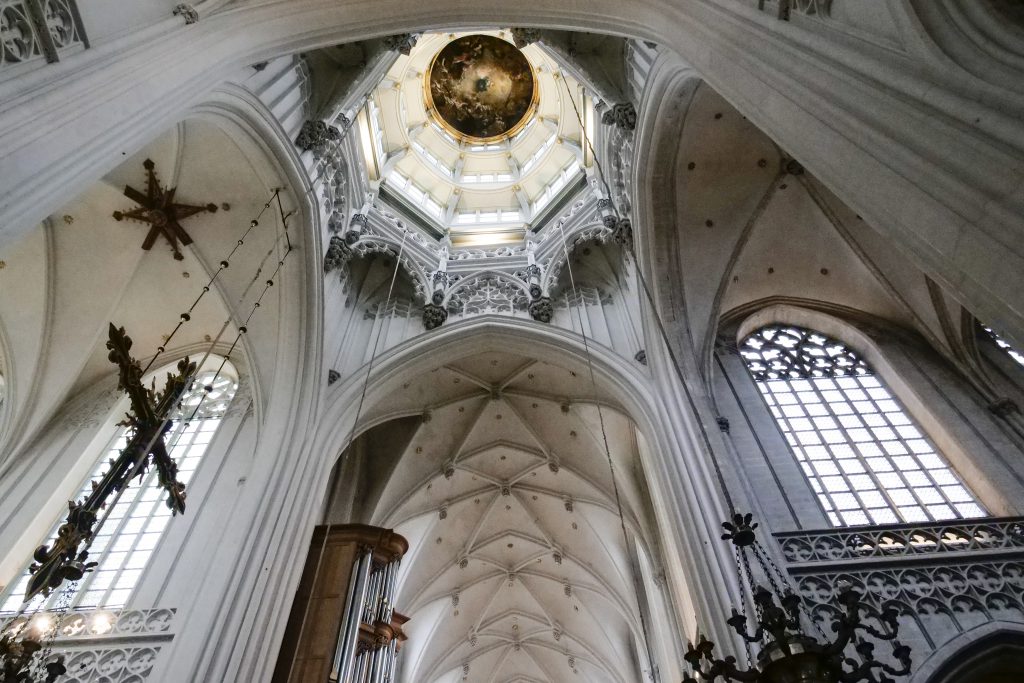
column 518, row 569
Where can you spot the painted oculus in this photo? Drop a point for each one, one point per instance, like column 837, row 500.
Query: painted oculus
column 481, row 87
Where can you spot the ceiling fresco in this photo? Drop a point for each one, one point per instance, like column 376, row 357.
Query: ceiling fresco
column 481, row 87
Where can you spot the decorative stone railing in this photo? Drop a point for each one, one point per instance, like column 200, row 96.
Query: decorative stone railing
column 38, row 30
column 103, row 645
column 896, row 540
column 943, row 578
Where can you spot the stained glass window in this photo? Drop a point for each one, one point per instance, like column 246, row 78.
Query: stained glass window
column 137, row 521
column 866, row 459
column 1004, row 345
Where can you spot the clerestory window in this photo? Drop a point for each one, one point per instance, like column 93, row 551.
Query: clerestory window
column 1004, row 345
column 865, row 458
column 137, row 521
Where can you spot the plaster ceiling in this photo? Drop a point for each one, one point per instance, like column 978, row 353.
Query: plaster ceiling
column 518, row 569
column 83, row 269
column 482, row 193
column 744, row 226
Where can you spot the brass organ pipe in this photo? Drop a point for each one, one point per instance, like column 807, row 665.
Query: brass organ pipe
column 377, row 670
column 351, row 602
column 386, row 591
column 344, row 657
column 373, row 597
column 389, row 671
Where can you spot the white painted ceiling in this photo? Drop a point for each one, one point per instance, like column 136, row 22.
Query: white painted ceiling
column 518, row 568
column 509, row 176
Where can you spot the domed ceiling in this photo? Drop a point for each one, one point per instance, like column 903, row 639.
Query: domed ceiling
column 481, row 88
column 518, row 568
column 475, row 136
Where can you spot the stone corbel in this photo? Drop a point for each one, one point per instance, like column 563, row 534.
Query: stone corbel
column 434, row 316
column 315, row 135
column 186, row 12
column 621, row 115
column 541, row 309
column 402, row 43
column 623, row 233
column 338, row 253
column 525, row 36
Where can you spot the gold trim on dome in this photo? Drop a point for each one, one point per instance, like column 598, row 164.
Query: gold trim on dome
column 432, row 110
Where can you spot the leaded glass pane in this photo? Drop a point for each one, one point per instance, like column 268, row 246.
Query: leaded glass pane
column 134, row 526
column 863, row 455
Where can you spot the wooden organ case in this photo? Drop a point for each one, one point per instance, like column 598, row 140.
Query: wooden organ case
column 343, row 627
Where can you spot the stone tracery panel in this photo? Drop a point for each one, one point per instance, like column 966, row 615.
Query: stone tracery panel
column 903, row 540
column 945, row 579
column 100, row 645
column 35, row 29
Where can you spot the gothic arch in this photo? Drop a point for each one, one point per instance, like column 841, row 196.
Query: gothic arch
column 653, row 419
column 866, row 337
column 989, row 647
column 396, row 369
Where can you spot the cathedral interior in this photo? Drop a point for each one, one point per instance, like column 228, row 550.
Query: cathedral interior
column 635, row 341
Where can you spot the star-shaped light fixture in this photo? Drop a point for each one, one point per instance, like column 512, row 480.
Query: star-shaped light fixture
column 158, row 208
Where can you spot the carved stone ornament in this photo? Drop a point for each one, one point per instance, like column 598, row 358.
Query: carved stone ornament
column 434, row 316
column 622, row 115
column 356, row 227
column 338, row 252
column 1003, row 407
column 541, row 309
column 99, row 645
column 403, row 43
column 641, row 357
column 623, row 234
column 525, row 36
column 187, row 12
column 332, row 377
column 315, row 134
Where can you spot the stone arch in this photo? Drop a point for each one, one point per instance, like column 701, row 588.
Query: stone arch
column 395, row 369
column 989, row 653
column 653, row 419
column 864, row 335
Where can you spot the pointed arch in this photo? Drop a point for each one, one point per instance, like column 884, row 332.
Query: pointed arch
column 863, row 455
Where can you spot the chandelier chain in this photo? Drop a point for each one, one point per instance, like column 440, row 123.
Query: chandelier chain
column 604, row 437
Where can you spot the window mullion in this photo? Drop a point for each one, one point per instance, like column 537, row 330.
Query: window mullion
column 856, row 452
column 926, row 471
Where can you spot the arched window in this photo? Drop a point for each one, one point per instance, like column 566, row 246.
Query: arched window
column 865, row 458
column 1004, row 345
column 136, row 523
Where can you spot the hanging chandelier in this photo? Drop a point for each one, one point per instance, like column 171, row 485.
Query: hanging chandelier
column 788, row 653
column 26, row 654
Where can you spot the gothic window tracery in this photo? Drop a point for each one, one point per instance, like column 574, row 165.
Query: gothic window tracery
column 865, row 458
column 136, row 523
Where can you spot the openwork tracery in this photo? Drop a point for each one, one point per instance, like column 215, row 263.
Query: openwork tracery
column 865, row 458
column 795, row 353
